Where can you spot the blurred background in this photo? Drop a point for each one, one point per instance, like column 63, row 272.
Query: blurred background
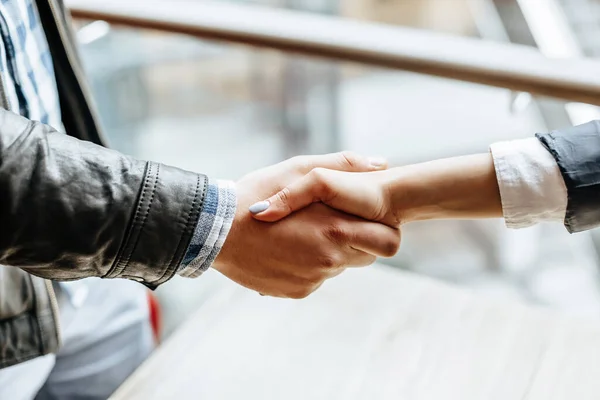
column 227, row 110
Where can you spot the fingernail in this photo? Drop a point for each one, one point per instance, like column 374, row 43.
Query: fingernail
column 259, row 207
column 377, row 162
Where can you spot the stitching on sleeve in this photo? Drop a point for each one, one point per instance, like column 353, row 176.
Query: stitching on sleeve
column 144, row 219
column 119, row 257
column 127, row 250
column 191, row 214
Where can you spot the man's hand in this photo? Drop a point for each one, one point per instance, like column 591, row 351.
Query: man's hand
column 293, row 257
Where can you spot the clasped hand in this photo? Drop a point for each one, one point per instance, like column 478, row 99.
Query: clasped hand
column 317, row 234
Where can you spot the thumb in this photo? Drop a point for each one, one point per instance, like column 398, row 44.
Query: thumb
column 311, row 188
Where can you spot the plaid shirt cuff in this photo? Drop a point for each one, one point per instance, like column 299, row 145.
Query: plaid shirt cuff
column 213, row 226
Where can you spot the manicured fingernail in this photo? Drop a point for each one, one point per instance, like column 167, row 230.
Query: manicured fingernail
column 377, row 162
column 259, row 207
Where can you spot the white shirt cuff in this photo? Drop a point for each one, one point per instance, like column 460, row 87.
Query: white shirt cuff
column 531, row 186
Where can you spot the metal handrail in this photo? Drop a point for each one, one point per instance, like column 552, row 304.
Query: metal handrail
column 502, row 65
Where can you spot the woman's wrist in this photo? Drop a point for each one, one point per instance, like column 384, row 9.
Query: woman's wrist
column 460, row 187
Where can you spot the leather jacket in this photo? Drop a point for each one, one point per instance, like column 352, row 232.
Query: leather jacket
column 71, row 209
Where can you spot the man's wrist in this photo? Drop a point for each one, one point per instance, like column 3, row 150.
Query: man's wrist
column 213, row 227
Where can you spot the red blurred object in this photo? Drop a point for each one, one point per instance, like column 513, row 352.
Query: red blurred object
column 155, row 316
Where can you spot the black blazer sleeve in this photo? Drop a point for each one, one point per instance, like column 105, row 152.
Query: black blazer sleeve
column 577, row 152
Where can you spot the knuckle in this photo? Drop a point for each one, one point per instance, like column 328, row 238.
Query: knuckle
column 319, row 178
column 390, row 247
column 350, row 159
column 283, row 196
column 318, row 174
column 301, row 163
column 329, row 261
column 336, row 234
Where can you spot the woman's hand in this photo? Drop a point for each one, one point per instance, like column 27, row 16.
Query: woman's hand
column 459, row 187
column 362, row 194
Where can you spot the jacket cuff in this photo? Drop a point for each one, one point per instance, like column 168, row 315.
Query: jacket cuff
column 162, row 226
column 577, row 153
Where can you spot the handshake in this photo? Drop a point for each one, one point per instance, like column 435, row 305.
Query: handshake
column 306, row 219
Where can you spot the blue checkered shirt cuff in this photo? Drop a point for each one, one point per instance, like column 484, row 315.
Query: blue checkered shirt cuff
column 211, row 231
